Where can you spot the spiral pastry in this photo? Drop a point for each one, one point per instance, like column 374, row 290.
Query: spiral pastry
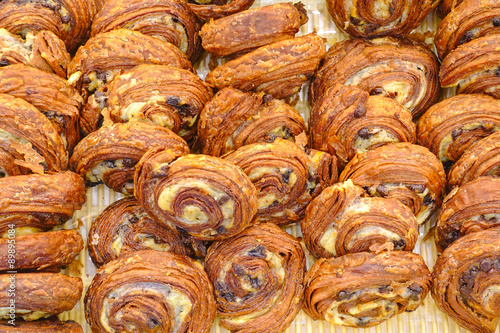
column 470, row 208
column 242, row 32
column 123, row 227
column 452, row 126
column 446, row 6
column 150, row 291
column 379, row 18
column 466, row 279
column 473, row 67
column 172, row 98
column 169, row 20
column 39, row 202
column 342, row 220
column 399, row 68
column 347, row 120
column 38, row 295
column 258, row 279
column 214, row 9
column 41, row 250
column 470, row 20
column 104, row 56
column 403, row 171
column 41, row 326
column 365, row 289
column 278, row 69
column 233, row 119
column 482, row 159
column 202, row 196
column 110, row 154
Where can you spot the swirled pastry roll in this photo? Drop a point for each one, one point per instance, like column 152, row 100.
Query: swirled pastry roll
column 399, row 68
column 50, row 94
column 233, row 119
column 41, row 250
column 214, row 9
column 39, row 202
column 379, row 18
column 38, row 295
column 202, row 196
column 242, row 32
column 473, row 67
column 365, row 289
column 470, row 208
column 466, row 281
column 278, row 69
column 123, row 227
column 286, row 177
column 41, row 326
column 346, row 120
column 150, row 291
column 452, row 126
column 172, row 98
column 342, row 219
column 28, row 140
column 446, row 6
column 43, row 50
column 482, row 159
column 109, row 155
column 108, row 54
column 258, row 279
column 169, row 20
column 403, row 171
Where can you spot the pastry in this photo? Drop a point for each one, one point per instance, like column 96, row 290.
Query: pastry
column 346, row 120
column 481, row 159
column 40, row 326
column 233, row 119
column 452, row 126
column 169, row 20
column 40, row 250
column 242, row 32
column 286, row 177
column 379, row 18
column 38, row 295
column 409, row 173
column 343, row 219
column 124, row 227
column 446, row 6
column 278, row 69
column 465, row 281
column 202, row 196
column 365, row 289
column 470, row 208
column 214, row 9
column 150, row 291
column 258, row 279
column 110, row 154
column 399, row 68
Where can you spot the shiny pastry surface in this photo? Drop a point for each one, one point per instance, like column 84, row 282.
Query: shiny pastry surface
column 446, row 6
column 202, row 196
column 258, row 279
column 343, row 219
column 365, row 289
column 40, row 326
column 150, row 291
column 214, row 9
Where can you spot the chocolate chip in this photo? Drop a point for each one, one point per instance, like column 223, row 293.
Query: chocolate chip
column 371, row 28
column 238, row 270
column 344, row 295
column 129, row 162
column 497, row 71
column 485, row 264
column 496, row 22
column 417, row 188
column 427, row 200
column 382, row 190
column 173, row 100
column 360, row 111
column 385, row 289
column 133, row 220
column 391, row 9
column 399, row 244
column 228, row 296
column 255, row 282
column 288, row 133
column 363, row 321
column 355, row 20
column 274, row 204
column 175, row 20
column 456, row 133
column 182, row 231
column 285, row 177
column 4, row 62
column 224, row 199
column 110, row 163
column 267, row 98
column 220, row 229
column 258, row 252
column 467, row 37
column 447, row 165
column 364, row 133
column 152, row 323
column 376, row 91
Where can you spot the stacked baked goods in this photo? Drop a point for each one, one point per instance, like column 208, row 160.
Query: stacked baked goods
column 239, row 168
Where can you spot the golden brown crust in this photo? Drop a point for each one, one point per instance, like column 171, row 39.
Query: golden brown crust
column 465, row 281
column 39, row 295
column 258, row 279
column 452, row 126
column 233, row 119
column 403, row 171
column 215, row 9
column 342, row 219
column 249, row 29
column 41, row 250
column 386, row 284
column 109, row 155
column 366, row 18
column 41, row 326
column 446, row 6
column 150, row 291
column 202, row 196
column 169, row 20
column 278, row 69
column 400, row 68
